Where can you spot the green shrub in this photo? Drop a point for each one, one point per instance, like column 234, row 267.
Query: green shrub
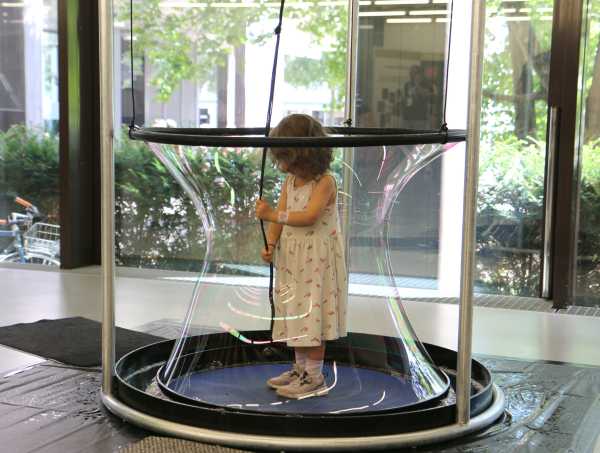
column 588, row 247
column 157, row 225
column 29, row 168
column 510, row 217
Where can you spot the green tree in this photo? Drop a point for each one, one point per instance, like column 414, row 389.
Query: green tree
column 510, row 199
column 29, row 169
column 188, row 43
column 516, row 69
column 327, row 26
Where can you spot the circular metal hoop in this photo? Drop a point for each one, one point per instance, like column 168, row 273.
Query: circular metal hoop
column 233, row 439
column 135, row 373
column 342, row 137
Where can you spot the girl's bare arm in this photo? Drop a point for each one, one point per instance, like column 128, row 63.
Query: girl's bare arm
column 320, row 198
column 274, row 230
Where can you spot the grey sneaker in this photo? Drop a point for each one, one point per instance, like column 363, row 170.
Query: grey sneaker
column 285, row 378
column 304, row 387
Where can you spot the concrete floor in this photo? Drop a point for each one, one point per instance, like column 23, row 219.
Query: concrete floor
column 32, row 294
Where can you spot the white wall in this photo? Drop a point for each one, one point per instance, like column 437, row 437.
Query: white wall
column 453, row 163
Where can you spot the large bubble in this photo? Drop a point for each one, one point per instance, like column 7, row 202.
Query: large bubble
column 227, row 350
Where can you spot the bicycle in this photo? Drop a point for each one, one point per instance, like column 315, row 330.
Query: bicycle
column 34, row 242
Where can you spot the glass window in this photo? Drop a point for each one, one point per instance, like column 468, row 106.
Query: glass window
column 400, row 83
column 588, row 240
column 29, row 114
column 209, row 65
column 513, row 147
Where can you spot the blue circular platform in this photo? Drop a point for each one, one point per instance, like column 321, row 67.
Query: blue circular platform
column 244, row 387
column 224, row 389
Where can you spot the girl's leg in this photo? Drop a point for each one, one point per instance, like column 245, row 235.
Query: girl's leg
column 301, row 356
column 312, row 382
column 316, row 352
column 290, row 376
column 314, row 360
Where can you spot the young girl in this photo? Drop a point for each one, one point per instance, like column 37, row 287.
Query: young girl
column 305, row 241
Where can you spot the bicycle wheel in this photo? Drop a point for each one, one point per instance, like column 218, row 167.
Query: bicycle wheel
column 31, row 258
column 11, row 258
column 40, row 258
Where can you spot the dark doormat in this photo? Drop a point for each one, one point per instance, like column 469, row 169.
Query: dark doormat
column 154, row 444
column 72, row 341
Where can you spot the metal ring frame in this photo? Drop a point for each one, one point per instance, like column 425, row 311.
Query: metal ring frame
column 465, row 424
column 255, row 137
column 233, row 439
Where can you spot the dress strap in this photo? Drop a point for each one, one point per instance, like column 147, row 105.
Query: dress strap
column 329, row 173
column 290, row 183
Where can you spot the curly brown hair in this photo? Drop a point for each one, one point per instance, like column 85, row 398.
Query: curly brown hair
column 309, row 163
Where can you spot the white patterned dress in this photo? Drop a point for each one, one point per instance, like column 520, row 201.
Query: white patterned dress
column 311, row 283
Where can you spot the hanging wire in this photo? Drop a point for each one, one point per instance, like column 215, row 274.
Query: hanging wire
column 132, row 126
column 444, row 126
column 132, row 122
column 277, row 32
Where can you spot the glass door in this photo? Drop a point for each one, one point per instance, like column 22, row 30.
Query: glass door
column 587, row 269
column 401, row 84
column 513, row 150
column 29, row 136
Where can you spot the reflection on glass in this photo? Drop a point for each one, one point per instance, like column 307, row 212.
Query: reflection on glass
column 588, row 240
column 513, row 147
column 29, row 191
column 401, row 79
column 208, row 64
column 400, row 83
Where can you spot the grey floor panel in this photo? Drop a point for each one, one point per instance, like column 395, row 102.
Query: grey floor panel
column 52, row 387
column 551, row 408
column 51, row 408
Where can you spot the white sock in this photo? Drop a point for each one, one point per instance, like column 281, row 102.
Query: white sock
column 301, row 358
column 313, row 367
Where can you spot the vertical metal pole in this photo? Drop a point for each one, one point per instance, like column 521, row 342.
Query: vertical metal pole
column 351, row 61
column 465, row 330
column 349, row 112
column 107, row 193
column 549, row 200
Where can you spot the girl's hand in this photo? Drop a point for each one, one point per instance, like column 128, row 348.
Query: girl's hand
column 264, row 211
column 267, row 254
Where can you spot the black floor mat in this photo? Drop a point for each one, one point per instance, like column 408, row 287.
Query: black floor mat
column 73, row 341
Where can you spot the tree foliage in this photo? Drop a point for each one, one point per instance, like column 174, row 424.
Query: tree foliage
column 510, row 215
column 157, row 225
column 187, row 43
column 29, row 168
column 516, row 67
column 328, row 27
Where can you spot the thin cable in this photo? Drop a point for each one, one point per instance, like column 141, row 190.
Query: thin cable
column 264, row 153
column 132, row 122
column 444, row 126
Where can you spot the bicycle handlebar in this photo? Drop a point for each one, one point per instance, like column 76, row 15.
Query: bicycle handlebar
column 23, row 202
column 29, row 207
